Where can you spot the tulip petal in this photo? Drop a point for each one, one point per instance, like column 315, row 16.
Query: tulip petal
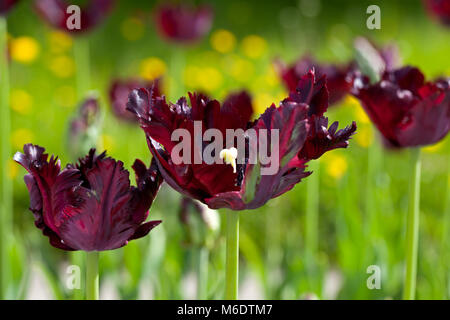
column 291, row 122
column 322, row 139
column 46, row 187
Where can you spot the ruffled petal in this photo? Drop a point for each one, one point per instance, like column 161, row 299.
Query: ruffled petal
column 48, row 190
column 291, row 122
column 322, row 139
column 119, row 91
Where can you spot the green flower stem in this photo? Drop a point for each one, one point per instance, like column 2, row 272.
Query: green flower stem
column 444, row 255
column 412, row 228
column 5, row 128
column 202, row 273
column 82, row 65
column 312, row 208
column 232, row 259
column 373, row 168
column 92, row 282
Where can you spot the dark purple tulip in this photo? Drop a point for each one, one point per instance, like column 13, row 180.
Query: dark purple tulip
column 54, row 12
column 6, row 5
column 183, row 23
column 408, row 111
column 338, row 79
column 88, row 206
column 119, row 91
column 216, row 184
column 439, row 9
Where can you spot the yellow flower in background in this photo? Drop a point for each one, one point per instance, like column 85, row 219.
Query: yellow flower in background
column 281, row 96
column 24, row 49
column 65, row 96
column 253, row 46
column 106, row 143
column 210, row 79
column 271, row 76
column 21, row 101
column 21, row 136
column 241, row 69
column 361, row 116
column 262, row 101
column 12, row 169
column 435, row 147
column 351, row 101
column 152, row 68
column 365, row 136
column 190, row 75
column 132, row 29
column 62, row 66
column 60, row 42
column 336, row 164
column 355, row 105
column 223, row 41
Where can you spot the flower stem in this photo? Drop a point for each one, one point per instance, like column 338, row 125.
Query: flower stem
column 92, row 282
column 232, row 259
column 373, row 169
column 445, row 229
column 202, row 273
column 412, row 228
column 312, row 224
column 312, row 208
column 5, row 127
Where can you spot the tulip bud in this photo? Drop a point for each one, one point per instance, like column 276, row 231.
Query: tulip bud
column 85, row 128
column 201, row 224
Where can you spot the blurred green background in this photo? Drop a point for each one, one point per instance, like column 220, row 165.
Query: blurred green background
column 363, row 190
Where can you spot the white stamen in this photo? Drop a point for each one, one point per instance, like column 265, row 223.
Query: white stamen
column 229, row 156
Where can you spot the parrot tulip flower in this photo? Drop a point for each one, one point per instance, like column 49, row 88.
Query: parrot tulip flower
column 439, row 9
column 183, row 23
column 6, row 5
column 408, row 111
column 89, row 206
column 55, row 13
column 298, row 120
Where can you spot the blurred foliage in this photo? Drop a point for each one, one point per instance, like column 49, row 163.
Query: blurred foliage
column 238, row 53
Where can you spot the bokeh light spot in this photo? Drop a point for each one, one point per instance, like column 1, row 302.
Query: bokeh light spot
column 60, row 42
column 12, row 169
column 21, row 101
column 336, row 165
column 152, row 68
column 24, row 49
column 21, row 136
column 223, row 41
column 62, row 66
column 254, row 46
